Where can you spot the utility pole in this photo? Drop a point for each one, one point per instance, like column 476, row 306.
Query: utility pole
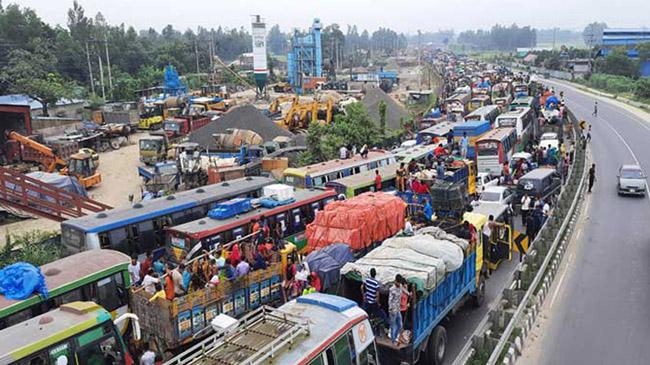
column 196, row 52
column 101, row 76
column 554, row 34
column 419, row 60
column 108, row 64
column 90, row 70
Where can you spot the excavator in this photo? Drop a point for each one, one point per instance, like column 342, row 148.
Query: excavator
column 81, row 165
column 274, row 108
column 301, row 115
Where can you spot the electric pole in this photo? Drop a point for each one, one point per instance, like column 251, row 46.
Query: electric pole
column 101, row 76
column 90, row 70
column 108, row 64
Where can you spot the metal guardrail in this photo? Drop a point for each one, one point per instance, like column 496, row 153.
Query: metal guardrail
column 502, row 320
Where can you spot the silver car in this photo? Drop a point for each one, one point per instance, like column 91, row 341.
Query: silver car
column 631, row 180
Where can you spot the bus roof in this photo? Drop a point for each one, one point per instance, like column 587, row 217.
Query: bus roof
column 184, row 200
column 329, row 317
column 440, row 129
column 365, row 177
column 48, row 329
column 414, row 152
column 207, row 226
column 515, row 113
column 337, row 164
column 496, row 134
column 486, row 109
column 75, row 267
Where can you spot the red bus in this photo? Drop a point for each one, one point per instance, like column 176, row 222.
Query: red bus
column 495, row 148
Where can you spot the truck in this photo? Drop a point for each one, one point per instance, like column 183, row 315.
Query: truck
column 183, row 125
column 154, row 147
column 437, row 291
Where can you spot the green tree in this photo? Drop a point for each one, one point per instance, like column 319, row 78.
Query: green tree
column 382, row 117
column 642, row 88
column 618, row 63
column 32, row 74
column 35, row 247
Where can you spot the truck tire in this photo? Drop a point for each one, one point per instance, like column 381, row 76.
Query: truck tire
column 436, row 346
column 479, row 296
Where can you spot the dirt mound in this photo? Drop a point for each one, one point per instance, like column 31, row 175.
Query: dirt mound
column 242, row 117
column 394, row 111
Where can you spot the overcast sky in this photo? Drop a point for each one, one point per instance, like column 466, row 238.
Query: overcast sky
column 402, row 15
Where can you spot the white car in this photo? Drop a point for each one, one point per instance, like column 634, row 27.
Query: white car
column 483, row 180
column 496, row 194
column 549, row 138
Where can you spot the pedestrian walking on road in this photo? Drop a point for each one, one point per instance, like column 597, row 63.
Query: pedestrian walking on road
column 595, row 113
column 592, row 176
column 525, row 206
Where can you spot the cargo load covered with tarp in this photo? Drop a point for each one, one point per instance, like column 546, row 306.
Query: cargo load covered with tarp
column 21, row 280
column 328, row 261
column 357, row 222
column 422, row 260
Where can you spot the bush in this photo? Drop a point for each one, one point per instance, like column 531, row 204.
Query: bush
column 611, row 83
column 35, row 247
column 642, row 89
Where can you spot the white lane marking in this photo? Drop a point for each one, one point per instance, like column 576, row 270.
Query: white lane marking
column 629, row 149
column 558, row 287
column 578, row 234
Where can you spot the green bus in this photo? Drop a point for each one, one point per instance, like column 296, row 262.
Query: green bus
column 77, row 333
column 351, row 186
column 100, row 276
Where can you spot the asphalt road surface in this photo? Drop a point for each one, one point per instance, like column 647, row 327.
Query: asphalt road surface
column 600, row 305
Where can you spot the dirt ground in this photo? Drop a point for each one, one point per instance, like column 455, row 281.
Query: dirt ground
column 119, row 179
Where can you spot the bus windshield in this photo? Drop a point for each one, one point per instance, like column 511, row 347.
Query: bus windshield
column 488, row 149
column 507, row 122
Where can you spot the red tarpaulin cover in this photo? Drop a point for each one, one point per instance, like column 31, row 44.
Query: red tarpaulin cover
column 357, row 222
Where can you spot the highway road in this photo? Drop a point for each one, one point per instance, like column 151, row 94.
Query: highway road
column 599, row 305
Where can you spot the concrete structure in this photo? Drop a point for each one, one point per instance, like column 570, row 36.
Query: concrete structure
column 628, row 38
column 260, row 69
column 306, row 57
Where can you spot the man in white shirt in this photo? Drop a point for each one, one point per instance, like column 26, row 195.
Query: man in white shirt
column 525, row 206
column 149, row 282
column 148, row 357
column 408, row 228
column 134, row 270
column 343, row 153
column 546, row 211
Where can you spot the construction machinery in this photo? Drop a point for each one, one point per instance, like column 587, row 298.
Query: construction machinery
column 202, row 105
column 154, row 113
column 282, row 87
column 274, row 107
column 80, row 165
column 301, row 115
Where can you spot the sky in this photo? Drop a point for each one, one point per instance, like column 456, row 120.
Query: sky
column 406, row 16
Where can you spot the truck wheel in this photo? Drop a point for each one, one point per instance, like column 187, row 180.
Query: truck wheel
column 479, row 297
column 115, row 143
column 436, row 346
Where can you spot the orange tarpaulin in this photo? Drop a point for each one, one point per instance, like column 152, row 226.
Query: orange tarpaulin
column 357, row 222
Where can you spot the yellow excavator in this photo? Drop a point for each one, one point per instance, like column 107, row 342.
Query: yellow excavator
column 275, row 104
column 81, row 165
column 301, row 115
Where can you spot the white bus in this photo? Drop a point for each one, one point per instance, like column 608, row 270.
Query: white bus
column 314, row 329
column 522, row 120
column 488, row 112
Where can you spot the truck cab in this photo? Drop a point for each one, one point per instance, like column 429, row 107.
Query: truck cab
column 153, row 149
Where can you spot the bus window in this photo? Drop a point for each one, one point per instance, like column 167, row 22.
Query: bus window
column 319, row 181
column 297, row 220
column 368, row 356
column 38, row 359
column 342, row 351
column 111, row 292
column 69, row 297
column 373, row 165
column 357, row 169
column 238, row 233
column 318, row 360
column 315, row 207
column 118, row 240
column 97, row 347
column 180, row 217
column 104, row 241
column 282, row 220
column 147, row 237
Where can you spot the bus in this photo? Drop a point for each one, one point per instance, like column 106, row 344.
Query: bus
column 522, row 120
column 436, row 133
column 354, row 185
column 519, row 88
column 418, row 153
column 488, row 112
column 313, row 329
column 522, row 102
column 478, row 101
column 317, row 175
column 139, row 228
column 495, row 148
column 76, row 333
column 210, row 233
column 100, row 276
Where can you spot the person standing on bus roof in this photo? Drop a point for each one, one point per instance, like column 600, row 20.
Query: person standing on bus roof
column 394, row 306
column 464, row 145
column 134, row 270
column 343, row 153
column 377, row 181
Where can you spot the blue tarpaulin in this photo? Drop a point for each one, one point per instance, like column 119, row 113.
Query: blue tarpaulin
column 20, row 280
column 328, row 261
column 552, row 100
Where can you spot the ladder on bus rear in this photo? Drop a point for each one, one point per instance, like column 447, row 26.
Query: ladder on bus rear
column 38, row 198
column 259, row 335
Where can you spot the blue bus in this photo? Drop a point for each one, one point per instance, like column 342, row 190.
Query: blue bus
column 141, row 227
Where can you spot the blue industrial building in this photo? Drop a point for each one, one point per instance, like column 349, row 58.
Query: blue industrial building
column 628, row 38
column 306, row 57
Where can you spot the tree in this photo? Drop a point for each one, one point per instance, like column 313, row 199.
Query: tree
column 617, row 62
column 642, row 88
column 276, row 40
column 382, row 117
column 593, row 34
column 32, row 74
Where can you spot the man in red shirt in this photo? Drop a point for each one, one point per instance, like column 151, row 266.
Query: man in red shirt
column 377, row 181
column 439, row 150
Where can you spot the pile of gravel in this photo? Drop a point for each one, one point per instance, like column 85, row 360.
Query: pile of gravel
column 394, row 111
column 243, row 117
